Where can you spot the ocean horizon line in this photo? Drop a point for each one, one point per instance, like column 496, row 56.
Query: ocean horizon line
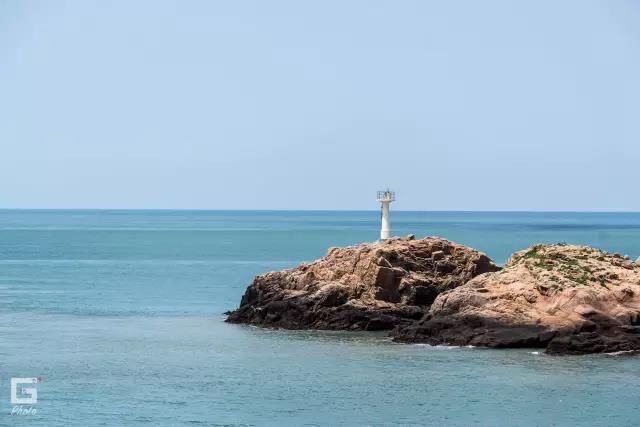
column 230, row 210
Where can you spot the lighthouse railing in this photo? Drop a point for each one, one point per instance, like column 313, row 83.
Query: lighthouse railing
column 388, row 196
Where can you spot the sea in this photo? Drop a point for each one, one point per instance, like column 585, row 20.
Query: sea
column 119, row 315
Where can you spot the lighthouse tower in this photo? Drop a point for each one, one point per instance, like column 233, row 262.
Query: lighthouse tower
column 385, row 198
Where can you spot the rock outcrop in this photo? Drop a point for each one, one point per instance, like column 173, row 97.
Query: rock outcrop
column 371, row 286
column 567, row 299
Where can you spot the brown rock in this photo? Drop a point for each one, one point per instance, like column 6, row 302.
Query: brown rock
column 565, row 298
column 371, row 286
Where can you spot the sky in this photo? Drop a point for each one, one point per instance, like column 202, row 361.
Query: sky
column 455, row 105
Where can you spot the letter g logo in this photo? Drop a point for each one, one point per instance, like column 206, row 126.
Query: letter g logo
column 31, row 392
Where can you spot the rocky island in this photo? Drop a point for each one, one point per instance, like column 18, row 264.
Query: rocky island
column 566, row 299
column 371, row 286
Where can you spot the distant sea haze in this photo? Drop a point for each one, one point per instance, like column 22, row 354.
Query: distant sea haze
column 121, row 313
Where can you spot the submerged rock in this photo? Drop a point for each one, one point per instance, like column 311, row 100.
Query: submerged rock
column 371, row 286
column 567, row 299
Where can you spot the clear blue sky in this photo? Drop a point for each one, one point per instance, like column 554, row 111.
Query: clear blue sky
column 470, row 105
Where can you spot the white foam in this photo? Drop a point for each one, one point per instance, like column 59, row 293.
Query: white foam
column 621, row 353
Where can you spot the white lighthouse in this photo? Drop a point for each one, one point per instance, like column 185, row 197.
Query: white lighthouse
column 385, row 198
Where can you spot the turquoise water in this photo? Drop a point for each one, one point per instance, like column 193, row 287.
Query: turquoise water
column 120, row 312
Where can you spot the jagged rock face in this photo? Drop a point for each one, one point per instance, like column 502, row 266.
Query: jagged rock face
column 371, row 286
column 565, row 298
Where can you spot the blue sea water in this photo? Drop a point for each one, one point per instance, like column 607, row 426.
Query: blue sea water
column 121, row 314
